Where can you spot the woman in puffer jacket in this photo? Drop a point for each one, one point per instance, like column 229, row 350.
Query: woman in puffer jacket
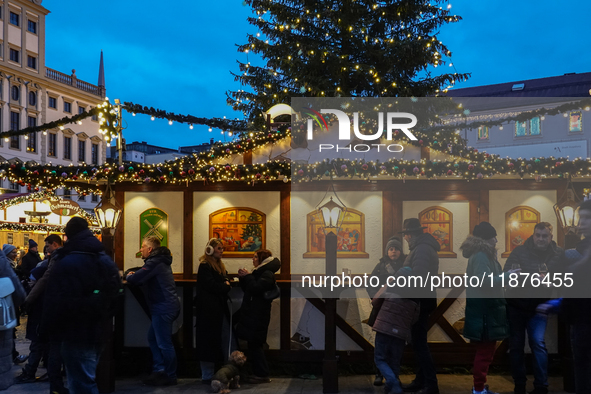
column 486, row 316
column 255, row 313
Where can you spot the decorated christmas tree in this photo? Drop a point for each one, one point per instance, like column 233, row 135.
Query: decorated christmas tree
column 342, row 48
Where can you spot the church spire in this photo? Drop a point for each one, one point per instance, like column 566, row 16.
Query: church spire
column 101, row 77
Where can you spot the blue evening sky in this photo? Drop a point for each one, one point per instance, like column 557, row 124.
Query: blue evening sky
column 178, row 56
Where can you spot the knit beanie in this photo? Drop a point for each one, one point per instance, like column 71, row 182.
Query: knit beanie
column 7, row 248
column 32, row 243
column 484, row 230
column 394, row 242
column 75, row 226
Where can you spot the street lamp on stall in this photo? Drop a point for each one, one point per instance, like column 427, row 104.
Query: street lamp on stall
column 108, row 213
column 567, row 210
column 332, row 213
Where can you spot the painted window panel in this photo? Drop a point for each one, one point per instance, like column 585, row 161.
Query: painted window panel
column 350, row 235
column 519, row 226
column 439, row 223
column 242, row 230
column 483, row 133
column 575, row 122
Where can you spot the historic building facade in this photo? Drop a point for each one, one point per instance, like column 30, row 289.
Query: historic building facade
column 32, row 94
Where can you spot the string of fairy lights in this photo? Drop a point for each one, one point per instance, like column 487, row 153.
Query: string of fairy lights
column 207, row 167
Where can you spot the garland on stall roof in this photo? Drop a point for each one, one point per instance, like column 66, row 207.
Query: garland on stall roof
column 37, row 196
column 246, row 142
column 104, row 111
column 404, row 169
column 41, row 195
column 218, row 123
column 38, row 227
column 186, row 170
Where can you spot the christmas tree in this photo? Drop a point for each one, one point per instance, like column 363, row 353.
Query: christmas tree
column 342, row 48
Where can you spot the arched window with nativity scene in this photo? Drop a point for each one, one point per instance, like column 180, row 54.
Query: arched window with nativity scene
column 519, row 226
column 242, row 230
column 440, row 224
column 350, row 236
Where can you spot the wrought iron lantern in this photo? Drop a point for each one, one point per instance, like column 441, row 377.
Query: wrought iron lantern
column 332, row 212
column 107, row 213
column 567, row 211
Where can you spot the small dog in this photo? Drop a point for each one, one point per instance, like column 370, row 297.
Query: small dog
column 228, row 377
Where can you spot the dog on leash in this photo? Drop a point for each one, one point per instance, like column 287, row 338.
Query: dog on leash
column 228, row 377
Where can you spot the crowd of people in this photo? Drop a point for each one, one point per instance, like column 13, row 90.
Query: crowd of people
column 494, row 311
column 69, row 295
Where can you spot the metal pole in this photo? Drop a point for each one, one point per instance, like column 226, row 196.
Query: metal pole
column 119, row 135
column 330, row 377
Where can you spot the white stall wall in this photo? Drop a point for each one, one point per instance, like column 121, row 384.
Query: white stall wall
column 135, row 204
column 461, row 229
column 369, row 203
column 206, row 203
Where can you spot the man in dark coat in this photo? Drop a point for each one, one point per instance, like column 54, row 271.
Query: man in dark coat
column 538, row 255
column 29, row 261
column 160, row 289
column 77, row 303
column 421, row 261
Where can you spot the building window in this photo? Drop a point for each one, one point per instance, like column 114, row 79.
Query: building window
column 81, row 197
column 94, row 198
column 67, row 107
column 32, row 26
column 15, row 142
column 519, row 226
column 32, row 62
column 32, row 137
column 51, row 145
column 482, row 133
column 534, row 126
column 15, row 121
column 575, row 122
column 81, row 109
column 528, row 128
column 15, row 93
column 32, row 99
column 81, row 150
column 52, row 102
column 14, row 19
column 68, row 194
column 94, row 153
column 14, row 55
column 94, row 117
column 439, row 222
column 67, row 148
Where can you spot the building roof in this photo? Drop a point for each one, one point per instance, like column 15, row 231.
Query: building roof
column 567, row 85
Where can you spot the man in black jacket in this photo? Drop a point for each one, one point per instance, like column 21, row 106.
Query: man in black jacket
column 160, row 289
column 539, row 255
column 78, row 297
column 422, row 261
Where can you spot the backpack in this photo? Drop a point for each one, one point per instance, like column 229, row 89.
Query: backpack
column 108, row 289
column 7, row 310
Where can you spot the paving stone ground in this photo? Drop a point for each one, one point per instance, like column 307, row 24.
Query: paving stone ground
column 448, row 383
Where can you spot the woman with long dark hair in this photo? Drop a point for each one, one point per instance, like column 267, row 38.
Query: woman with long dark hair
column 212, row 330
